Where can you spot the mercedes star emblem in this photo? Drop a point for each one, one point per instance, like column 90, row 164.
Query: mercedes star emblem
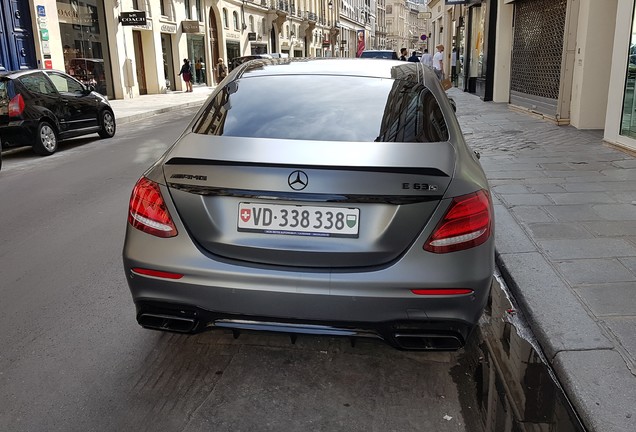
column 298, row 180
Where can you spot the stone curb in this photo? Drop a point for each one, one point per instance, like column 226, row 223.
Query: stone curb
column 592, row 373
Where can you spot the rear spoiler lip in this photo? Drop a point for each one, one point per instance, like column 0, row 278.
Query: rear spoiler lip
column 305, row 197
column 380, row 169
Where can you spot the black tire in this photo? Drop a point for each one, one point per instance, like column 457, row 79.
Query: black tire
column 45, row 139
column 107, row 123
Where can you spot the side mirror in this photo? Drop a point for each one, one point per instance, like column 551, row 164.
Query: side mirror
column 453, row 104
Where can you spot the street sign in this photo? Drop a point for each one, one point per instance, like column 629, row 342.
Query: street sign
column 133, row 18
column 423, row 37
column 44, row 34
column 41, row 11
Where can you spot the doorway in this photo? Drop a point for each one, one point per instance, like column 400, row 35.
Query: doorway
column 214, row 47
column 17, row 50
column 139, row 61
column 168, row 61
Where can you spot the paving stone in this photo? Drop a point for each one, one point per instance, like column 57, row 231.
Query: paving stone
column 567, row 213
column 546, row 188
column 558, row 231
column 581, row 198
column 620, row 174
column 510, row 189
column 514, row 174
column 526, row 199
column 600, row 387
column 624, row 329
column 592, row 271
column 587, row 187
column 587, row 248
column 610, row 299
column 555, row 314
column 616, row 212
column 509, row 236
column 571, row 173
column 626, row 163
column 531, row 214
column 611, row 228
column 630, row 263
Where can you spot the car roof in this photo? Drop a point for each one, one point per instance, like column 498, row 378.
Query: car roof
column 361, row 67
column 19, row 73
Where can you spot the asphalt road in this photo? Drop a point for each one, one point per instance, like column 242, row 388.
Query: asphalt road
column 72, row 357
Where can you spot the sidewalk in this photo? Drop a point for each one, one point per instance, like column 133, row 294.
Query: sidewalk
column 565, row 208
column 139, row 107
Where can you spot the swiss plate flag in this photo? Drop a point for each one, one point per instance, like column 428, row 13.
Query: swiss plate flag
column 246, row 215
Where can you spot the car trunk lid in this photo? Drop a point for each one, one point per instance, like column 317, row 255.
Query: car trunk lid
column 237, row 197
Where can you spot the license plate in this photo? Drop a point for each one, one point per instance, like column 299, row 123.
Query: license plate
column 299, row 220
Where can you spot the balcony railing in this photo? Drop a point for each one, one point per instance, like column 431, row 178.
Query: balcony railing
column 311, row 16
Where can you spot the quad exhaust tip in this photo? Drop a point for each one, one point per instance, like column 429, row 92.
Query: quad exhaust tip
column 167, row 322
column 427, row 342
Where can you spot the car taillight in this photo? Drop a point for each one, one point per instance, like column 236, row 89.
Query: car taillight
column 148, row 212
column 16, row 106
column 466, row 224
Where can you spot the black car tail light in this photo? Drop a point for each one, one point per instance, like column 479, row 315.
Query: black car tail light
column 466, row 224
column 16, row 106
column 148, row 212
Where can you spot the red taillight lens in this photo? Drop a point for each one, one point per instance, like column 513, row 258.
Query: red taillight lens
column 467, row 224
column 148, row 212
column 16, row 106
column 442, row 291
column 157, row 273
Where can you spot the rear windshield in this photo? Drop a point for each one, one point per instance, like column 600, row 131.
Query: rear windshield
column 379, row 54
column 325, row 108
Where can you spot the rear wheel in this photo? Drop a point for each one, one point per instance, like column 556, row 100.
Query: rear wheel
column 107, row 122
column 45, row 139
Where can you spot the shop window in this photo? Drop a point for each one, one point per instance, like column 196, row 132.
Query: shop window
column 235, row 20
column 628, row 120
column 225, row 22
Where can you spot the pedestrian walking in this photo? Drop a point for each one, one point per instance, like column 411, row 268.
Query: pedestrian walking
column 221, row 69
column 438, row 62
column 403, row 53
column 414, row 58
column 427, row 58
column 197, row 71
column 186, row 74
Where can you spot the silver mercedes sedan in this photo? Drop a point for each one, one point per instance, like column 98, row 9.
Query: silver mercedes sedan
column 326, row 196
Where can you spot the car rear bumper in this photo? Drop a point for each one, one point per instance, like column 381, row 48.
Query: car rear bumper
column 376, row 302
column 18, row 133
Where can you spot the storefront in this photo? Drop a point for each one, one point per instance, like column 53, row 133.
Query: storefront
column 194, row 32
column 167, row 32
column 480, row 41
column 84, row 41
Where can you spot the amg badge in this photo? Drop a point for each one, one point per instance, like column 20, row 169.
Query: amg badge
column 189, row 177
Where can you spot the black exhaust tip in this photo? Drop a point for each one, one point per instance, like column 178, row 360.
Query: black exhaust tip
column 428, row 342
column 167, row 323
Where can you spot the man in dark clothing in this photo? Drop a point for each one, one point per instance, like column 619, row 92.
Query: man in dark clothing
column 414, row 58
column 403, row 53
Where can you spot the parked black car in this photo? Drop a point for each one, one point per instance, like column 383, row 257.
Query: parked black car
column 39, row 108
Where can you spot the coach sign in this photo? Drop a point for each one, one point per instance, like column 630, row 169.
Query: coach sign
column 133, row 18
